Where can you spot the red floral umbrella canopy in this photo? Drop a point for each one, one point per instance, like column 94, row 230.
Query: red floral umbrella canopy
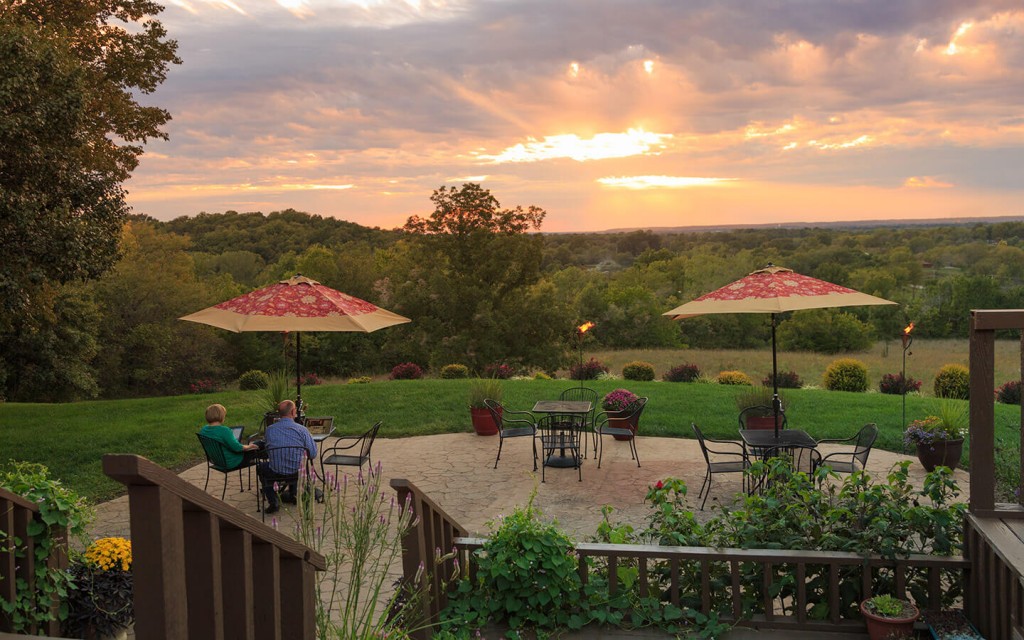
column 296, row 304
column 775, row 290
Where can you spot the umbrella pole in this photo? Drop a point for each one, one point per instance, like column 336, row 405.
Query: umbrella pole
column 298, row 371
column 776, row 402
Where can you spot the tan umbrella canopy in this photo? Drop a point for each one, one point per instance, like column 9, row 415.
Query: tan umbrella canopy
column 774, row 290
column 296, row 304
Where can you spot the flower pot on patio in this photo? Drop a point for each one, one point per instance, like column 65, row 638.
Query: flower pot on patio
column 483, row 421
column 881, row 627
column 764, row 422
column 944, row 453
column 627, row 419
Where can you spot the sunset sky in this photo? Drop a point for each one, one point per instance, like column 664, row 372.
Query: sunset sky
column 607, row 114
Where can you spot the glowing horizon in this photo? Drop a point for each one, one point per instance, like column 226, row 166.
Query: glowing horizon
column 359, row 109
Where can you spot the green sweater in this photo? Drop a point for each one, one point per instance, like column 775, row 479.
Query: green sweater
column 232, row 447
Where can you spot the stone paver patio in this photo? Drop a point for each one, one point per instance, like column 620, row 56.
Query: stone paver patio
column 455, row 470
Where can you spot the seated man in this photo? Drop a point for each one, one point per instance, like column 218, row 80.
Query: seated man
column 285, row 433
column 236, row 454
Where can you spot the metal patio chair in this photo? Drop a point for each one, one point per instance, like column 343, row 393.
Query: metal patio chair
column 845, row 461
column 720, row 461
column 620, row 429
column 522, row 425
column 216, row 460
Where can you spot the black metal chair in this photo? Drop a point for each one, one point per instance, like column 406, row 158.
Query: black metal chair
column 720, row 461
column 277, row 465
column 217, row 460
column 515, row 427
column 760, row 417
column 585, row 394
column 845, row 461
column 356, row 453
column 560, row 443
column 622, row 428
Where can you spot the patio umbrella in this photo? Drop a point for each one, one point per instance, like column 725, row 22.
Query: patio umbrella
column 774, row 290
column 296, row 304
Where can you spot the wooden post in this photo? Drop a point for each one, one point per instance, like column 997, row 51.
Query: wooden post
column 982, row 415
column 158, row 559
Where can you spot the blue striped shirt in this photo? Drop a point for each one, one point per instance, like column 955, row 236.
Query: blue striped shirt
column 288, row 433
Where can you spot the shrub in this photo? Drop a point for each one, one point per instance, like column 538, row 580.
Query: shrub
column 1009, row 392
column 311, row 379
column 253, row 379
column 527, row 576
column 953, row 381
column 589, row 370
column 643, row 371
column 360, row 380
column 58, row 506
column 407, row 371
column 499, row 371
column 784, row 380
column 206, row 385
column 454, row 371
column 734, row 377
column 682, row 373
column 894, row 384
column 846, row 374
column 540, row 375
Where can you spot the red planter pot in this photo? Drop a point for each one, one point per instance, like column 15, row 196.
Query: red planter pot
column 483, row 421
column 880, row 628
column 944, row 452
column 618, row 419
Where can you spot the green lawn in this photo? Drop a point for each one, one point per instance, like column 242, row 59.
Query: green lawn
column 71, row 438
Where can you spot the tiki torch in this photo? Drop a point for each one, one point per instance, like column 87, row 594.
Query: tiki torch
column 907, row 341
column 580, row 331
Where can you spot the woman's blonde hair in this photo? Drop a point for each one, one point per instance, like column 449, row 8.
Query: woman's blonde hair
column 216, row 413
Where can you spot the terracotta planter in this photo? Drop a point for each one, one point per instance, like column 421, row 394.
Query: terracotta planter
column 483, row 421
column 762, row 422
column 619, row 420
column 942, row 452
column 880, row 628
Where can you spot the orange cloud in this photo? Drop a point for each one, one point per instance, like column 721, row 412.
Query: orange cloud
column 925, row 182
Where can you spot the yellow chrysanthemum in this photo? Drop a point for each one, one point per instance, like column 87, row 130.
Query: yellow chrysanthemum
column 110, row 553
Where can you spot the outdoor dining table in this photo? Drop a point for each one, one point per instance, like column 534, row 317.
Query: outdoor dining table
column 574, row 408
column 767, row 444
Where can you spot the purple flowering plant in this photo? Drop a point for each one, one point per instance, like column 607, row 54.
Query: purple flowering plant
column 618, row 400
column 930, row 429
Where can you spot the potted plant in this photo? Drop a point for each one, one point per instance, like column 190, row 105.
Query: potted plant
column 889, row 617
column 100, row 600
column 939, row 439
column 479, row 390
column 762, row 398
column 617, row 405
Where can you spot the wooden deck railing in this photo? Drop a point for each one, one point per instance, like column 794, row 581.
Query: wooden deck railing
column 438, row 530
column 204, row 570
column 698, row 562
column 435, row 531
column 18, row 562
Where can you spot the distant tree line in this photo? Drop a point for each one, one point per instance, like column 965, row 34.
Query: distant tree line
column 481, row 287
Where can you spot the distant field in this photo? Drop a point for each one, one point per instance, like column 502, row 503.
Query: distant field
column 927, row 357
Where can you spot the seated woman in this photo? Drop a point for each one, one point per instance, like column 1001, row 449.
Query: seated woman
column 236, row 454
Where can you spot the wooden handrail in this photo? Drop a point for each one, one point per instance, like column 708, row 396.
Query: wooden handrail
column 433, row 530
column 204, row 570
column 421, row 540
column 701, row 559
column 19, row 563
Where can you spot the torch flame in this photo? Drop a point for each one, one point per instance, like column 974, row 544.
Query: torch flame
column 908, row 329
column 585, row 327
